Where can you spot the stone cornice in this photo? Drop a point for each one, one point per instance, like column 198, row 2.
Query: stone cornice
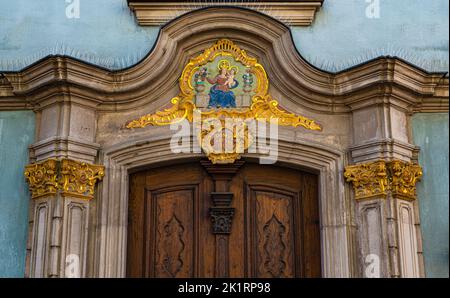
column 156, row 13
column 157, row 74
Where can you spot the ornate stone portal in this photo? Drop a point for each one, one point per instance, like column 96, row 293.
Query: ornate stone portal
column 364, row 113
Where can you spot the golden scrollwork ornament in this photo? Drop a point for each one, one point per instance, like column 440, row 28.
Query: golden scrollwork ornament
column 238, row 89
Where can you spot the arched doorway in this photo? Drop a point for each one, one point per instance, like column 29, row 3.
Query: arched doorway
column 274, row 231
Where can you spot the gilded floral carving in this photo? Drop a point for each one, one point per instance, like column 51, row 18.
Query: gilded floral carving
column 68, row 176
column 79, row 178
column 368, row 180
column 42, row 178
column 377, row 178
column 404, row 177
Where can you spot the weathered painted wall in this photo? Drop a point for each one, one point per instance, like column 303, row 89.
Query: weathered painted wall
column 430, row 132
column 341, row 36
column 16, row 133
column 105, row 33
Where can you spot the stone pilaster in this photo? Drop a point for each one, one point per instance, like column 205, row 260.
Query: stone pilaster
column 383, row 175
column 61, row 191
column 65, row 128
column 388, row 236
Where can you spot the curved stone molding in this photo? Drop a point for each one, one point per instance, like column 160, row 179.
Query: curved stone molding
column 375, row 179
column 337, row 228
column 71, row 177
column 261, row 36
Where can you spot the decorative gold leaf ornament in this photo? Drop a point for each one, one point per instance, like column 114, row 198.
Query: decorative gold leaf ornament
column 261, row 108
column 376, row 179
column 70, row 177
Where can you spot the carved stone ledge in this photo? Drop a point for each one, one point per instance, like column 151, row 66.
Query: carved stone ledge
column 156, row 13
column 377, row 178
column 64, row 148
column 68, row 176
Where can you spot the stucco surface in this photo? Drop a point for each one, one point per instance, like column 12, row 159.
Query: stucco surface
column 431, row 134
column 16, row 133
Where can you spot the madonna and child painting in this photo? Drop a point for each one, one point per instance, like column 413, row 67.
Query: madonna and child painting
column 223, row 88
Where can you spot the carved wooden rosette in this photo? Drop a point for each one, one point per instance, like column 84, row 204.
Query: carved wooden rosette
column 221, row 214
column 68, row 176
column 377, row 178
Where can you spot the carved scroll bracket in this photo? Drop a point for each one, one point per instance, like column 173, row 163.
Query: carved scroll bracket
column 68, row 176
column 377, row 178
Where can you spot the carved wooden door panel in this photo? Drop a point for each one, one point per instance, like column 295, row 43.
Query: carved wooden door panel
column 168, row 222
column 274, row 232
column 281, row 234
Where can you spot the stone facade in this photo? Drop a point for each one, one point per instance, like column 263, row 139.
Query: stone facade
column 81, row 112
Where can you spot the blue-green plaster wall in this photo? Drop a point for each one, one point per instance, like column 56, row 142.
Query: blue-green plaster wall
column 341, row 36
column 430, row 132
column 16, row 134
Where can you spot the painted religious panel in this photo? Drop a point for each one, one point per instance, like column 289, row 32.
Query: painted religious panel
column 220, row 84
column 224, row 83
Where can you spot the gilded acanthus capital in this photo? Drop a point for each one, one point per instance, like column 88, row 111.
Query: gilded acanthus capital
column 70, row 177
column 369, row 180
column 376, row 179
column 42, row 178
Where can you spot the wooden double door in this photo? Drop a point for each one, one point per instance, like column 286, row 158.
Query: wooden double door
column 194, row 220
